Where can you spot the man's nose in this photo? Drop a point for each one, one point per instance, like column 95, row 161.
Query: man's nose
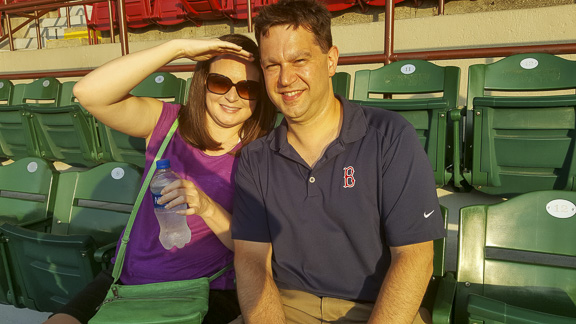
column 287, row 76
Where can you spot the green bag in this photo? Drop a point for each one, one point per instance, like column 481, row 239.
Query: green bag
column 184, row 301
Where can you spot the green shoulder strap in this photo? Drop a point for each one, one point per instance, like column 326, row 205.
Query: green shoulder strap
column 126, row 237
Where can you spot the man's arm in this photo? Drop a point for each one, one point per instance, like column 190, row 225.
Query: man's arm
column 258, row 295
column 405, row 284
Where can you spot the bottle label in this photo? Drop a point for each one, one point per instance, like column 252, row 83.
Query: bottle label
column 155, row 198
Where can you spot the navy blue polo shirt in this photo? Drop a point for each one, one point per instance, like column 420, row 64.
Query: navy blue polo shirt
column 331, row 226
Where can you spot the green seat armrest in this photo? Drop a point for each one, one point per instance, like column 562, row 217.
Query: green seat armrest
column 443, row 303
column 105, row 253
column 483, row 308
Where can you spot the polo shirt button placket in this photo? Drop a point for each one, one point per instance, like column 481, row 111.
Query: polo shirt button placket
column 312, row 179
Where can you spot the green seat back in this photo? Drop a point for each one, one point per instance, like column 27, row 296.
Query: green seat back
column 521, row 143
column 341, row 84
column 6, row 88
column 26, row 198
column 96, row 202
column 17, row 138
column 92, row 208
column 120, row 147
column 27, row 191
column 65, row 134
column 44, row 92
column 428, row 115
column 520, row 253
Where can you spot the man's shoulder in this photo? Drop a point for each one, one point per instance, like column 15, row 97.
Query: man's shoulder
column 257, row 147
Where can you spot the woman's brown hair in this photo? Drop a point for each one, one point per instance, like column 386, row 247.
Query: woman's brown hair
column 192, row 116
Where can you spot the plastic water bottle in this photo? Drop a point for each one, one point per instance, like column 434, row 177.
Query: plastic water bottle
column 174, row 230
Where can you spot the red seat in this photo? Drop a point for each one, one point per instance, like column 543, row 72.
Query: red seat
column 138, row 13
column 337, row 5
column 100, row 20
column 168, row 12
column 332, row 5
column 203, row 9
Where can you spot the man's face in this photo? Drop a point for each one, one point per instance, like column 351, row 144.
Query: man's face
column 296, row 72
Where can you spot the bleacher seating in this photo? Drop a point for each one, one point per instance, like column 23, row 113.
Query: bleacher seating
column 515, row 142
column 509, row 265
column 428, row 115
column 516, row 263
column 91, row 209
column 56, row 127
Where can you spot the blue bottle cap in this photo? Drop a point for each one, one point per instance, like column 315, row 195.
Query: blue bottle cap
column 163, row 164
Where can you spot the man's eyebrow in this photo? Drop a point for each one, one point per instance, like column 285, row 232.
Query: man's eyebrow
column 290, row 57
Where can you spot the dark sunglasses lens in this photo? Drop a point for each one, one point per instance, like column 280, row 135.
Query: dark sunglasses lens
column 248, row 89
column 218, row 84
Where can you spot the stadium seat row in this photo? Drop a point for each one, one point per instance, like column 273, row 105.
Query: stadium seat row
column 517, row 140
column 141, row 13
column 59, row 230
column 43, row 119
column 516, row 259
column 516, row 134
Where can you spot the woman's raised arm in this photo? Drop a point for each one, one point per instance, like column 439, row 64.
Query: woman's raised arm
column 104, row 92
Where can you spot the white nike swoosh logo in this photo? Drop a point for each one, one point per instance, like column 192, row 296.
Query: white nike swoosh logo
column 426, row 215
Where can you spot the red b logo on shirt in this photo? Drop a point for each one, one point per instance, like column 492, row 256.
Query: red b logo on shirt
column 349, row 177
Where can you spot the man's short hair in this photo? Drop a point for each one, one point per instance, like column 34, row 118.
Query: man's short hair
column 309, row 14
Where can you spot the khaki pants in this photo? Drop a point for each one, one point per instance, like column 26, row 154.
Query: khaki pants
column 304, row 308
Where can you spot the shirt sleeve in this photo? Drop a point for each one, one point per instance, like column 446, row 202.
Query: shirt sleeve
column 249, row 218
column 411, row 212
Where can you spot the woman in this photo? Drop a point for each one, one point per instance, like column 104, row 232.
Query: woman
column 227, row 108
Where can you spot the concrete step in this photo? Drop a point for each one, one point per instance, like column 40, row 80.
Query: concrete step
column 48, row 33
column 64, row 43
column 27, row 43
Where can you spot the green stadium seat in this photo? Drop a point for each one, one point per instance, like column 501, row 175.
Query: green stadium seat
column 91, row 210
column 341, row 84
column 120, row 147
column 65, row 134
column 43, row 92
column 518, row 141
column 6, row 88
column 516, row 263
column 17, row 138
column 27, row 198
column 428, row 114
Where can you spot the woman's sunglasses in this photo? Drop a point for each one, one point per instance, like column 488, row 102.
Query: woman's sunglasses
column 220, row 84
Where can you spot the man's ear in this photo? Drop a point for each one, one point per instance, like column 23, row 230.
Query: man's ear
column 333, row 55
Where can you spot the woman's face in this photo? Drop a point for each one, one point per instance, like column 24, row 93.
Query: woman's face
column 229, row 109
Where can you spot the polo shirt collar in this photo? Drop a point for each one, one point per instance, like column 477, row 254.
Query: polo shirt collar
column 354, row 127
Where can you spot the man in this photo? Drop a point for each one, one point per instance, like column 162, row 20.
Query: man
column 335, row 210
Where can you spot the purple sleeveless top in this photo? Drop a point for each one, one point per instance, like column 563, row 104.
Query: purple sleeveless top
column 146, row 260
